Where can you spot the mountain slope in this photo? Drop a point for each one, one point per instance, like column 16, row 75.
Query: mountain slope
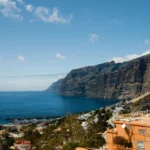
column 55, row 87
column 109, row 80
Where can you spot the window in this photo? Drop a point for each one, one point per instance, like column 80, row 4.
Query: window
column 23, row 146
column 140, row 145
column 141, row 131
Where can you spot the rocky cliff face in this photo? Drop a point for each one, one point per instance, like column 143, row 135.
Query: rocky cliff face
column 55, row 87
column 109, row 80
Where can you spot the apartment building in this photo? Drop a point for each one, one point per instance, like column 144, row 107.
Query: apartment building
column 131, row 132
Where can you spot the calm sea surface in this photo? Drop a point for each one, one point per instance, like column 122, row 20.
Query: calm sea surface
column 37, row 104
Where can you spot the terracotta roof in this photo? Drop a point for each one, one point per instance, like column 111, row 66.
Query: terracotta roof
column 22, row 142
column 80, row 148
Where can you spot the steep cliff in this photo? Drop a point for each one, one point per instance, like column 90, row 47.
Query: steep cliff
column 109, row 80
column 55, row 87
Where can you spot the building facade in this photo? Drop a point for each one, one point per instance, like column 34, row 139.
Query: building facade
column 134, row 128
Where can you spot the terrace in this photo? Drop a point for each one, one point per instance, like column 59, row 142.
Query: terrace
column 140, row 117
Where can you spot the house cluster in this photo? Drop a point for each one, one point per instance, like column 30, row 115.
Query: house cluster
column 14, row 131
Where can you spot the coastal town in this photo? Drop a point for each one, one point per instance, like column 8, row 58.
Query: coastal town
column 115, row 127
column 74, row 74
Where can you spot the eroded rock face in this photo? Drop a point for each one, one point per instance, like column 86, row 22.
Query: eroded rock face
column 109, row 80
column 55, row 87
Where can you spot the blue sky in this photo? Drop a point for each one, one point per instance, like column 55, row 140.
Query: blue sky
column 41, row 41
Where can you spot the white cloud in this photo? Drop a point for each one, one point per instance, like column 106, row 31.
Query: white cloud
column 9, row 9
column 146, row 53
column 29, row 8
column 3, row 2
column 129, row 57
column 13, row 8
column 147, row 41
column 93, row 37
column 59, row 56
column 20, row 1
column 22, row 59
column 53, row 17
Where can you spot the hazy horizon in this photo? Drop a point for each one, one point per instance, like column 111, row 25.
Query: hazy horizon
column 40, row 38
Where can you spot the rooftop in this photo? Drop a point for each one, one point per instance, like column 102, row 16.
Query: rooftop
column 80, row 148
column 137, row 118
column 22, row 142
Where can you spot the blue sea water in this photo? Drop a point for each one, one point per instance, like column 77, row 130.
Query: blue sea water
column 38, row 104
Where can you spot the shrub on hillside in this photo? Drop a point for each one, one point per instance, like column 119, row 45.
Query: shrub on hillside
column 121, row 141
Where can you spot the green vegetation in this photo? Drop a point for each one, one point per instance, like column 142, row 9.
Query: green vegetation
column 70, row 146
column 5, row 142
column 31, row 135
column 67, row 133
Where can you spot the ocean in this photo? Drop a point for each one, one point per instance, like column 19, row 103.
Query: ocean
column 39, row 104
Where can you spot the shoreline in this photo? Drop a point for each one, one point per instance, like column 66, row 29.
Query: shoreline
column 38, row 119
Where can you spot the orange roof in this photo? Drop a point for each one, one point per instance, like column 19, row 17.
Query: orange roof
column 80, row 148
column 22, row 142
